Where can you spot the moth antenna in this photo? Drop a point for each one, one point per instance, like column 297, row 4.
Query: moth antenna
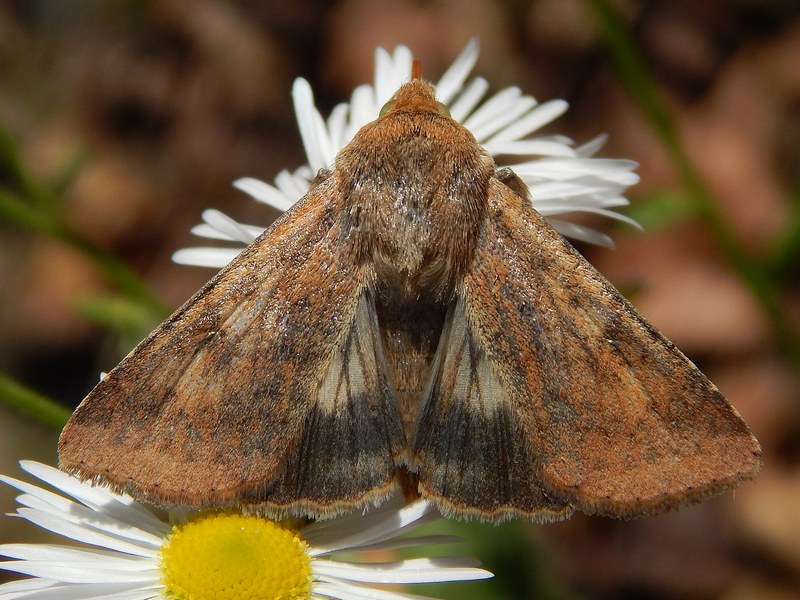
column 416, row 69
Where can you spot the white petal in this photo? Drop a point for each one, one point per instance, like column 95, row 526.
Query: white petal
column 616, row 171
column 416, row 570
column 578, row 203
column 78, row 573
column 504, row 120
column 350, row 591
column 493, row 108
column 352, row 531
column 411, row 542
column 92, row 591
column 391, row 71
column 291, row 184
column 32, row 490
column 207, row 231
column 592, row 146
column 87, row 517
column 86, row 494
column 337, row 125
column 228, row 229
column 313, row 132
column 384, row 74
column 581, row 233
column 363, row 109
column 403, row 57
column 303, row 176
column 89, row 557
column 86, row 534
column 216, row 258
column 469, row 99
column 455, row 76
column 265, row 193
column 532, row 147
column 16, row 589
column 556, row 138
column 98, row 498
column 535, row 119
column 608, row 213
column 205, row 256
column 596, row 191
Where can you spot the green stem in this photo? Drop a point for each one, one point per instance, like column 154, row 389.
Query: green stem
column 12, row 163
column 783, row 258
column 31, row 403
column 634, row 74
column 15, row 211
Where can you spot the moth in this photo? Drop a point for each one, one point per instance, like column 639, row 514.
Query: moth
column 412, row 321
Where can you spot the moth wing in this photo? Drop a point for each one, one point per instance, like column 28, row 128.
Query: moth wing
column 612, row 418
column 470, row 452
column 268, row 386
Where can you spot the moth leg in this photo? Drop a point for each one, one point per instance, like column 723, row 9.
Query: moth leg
column 513, row 181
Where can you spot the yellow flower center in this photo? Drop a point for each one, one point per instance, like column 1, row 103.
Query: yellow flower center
column 228, row 556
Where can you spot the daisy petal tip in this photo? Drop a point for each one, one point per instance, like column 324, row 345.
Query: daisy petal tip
column 205, row 257
column 301, row 88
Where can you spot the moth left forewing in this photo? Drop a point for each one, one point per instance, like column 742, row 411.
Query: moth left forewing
column 170, row 422
column 614, row 419
column 352, row 437
column 266, row 387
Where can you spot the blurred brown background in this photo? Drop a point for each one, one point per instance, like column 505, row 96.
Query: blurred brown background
column 138, row 115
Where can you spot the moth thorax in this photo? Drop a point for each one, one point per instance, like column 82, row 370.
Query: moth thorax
column 421, row 243
column 415, row 200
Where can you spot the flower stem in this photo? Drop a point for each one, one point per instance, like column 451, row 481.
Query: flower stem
column 633, row 72
column 32, row 403
column 14, row 210
column 30, row 204
column 12, row 164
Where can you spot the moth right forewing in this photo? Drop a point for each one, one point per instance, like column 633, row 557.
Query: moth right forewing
column 617, row 420
column 207, row 408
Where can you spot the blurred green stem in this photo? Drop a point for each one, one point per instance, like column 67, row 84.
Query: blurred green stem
column 15, row 211
column 783, row 260
column 28, row 203
column 32, row 404
column 631, row 67
column 11, row 162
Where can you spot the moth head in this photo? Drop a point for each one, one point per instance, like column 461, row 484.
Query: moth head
column 415, row 96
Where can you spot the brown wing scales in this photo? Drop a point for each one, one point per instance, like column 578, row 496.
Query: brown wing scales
column 470, row 450
column 219, row 403
column 276, row 385
column 353, row 435
column 615, row 419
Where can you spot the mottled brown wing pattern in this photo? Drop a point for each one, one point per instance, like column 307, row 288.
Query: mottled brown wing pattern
column 546, row 393
column 469, row 446
column 353, row 438
column 614, row 419
column 183, row 419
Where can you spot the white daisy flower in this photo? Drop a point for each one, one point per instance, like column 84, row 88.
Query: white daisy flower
column 562, row 177
column 126, row 552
